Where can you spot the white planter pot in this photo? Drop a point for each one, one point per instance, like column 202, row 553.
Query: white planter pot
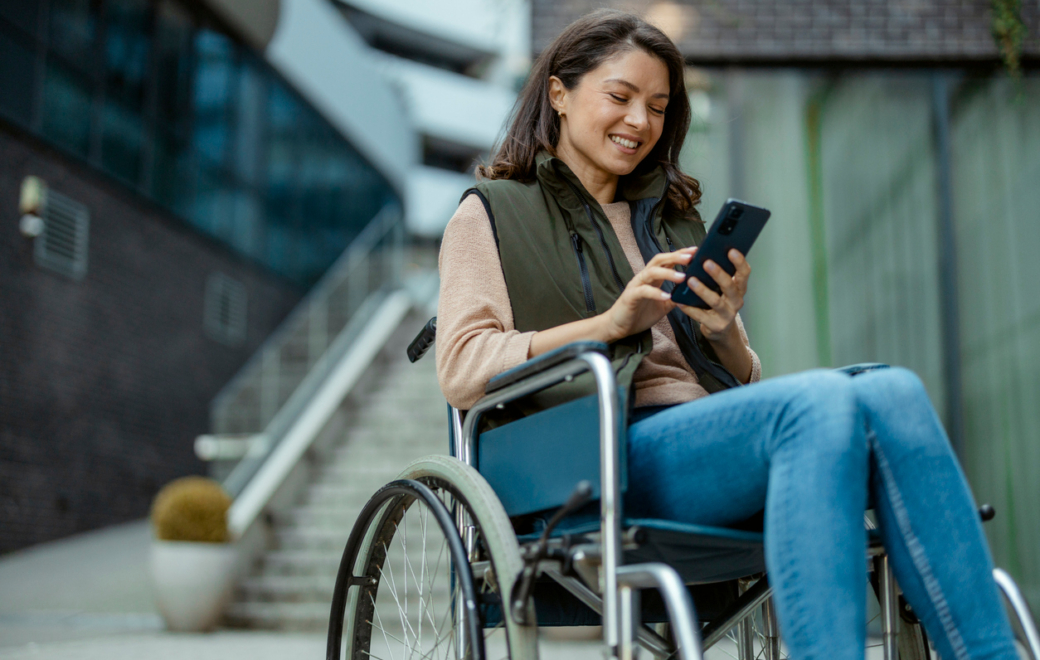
column 193, row 582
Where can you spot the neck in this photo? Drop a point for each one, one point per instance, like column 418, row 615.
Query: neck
column 601, row 185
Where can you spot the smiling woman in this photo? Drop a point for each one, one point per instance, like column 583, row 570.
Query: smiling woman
column 636, row 67
column 579, row 231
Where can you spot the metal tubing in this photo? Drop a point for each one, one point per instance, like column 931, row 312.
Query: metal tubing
column 455, row 417
column 609, row 422
column 889, row 601
column 628, row 611
column 535, row 383
column 772, row 636
column 648, row 639
column 746, row 633
column 749, row 601
column 746, row 639
column 1021, row 608
column 676, row 598
column 610, row 490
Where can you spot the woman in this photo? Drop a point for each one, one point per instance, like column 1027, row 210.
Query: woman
column 573, row 235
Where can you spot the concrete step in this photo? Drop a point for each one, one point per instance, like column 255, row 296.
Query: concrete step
column 311, row 538
column 288, row 589
column 302, row 617
column 318, row 563
column 401, row 417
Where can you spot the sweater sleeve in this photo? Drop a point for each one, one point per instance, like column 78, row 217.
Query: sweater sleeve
column 756, row 364
column 476, row 338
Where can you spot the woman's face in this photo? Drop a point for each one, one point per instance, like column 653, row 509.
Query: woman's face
column 613, row 117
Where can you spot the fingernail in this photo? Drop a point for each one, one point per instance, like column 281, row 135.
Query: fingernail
column 665, row 295
column 709, row 265
column 694, row 283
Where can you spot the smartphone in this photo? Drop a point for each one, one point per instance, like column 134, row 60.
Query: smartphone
column 736, row 227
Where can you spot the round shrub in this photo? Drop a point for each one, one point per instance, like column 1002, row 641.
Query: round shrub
column 191, row 509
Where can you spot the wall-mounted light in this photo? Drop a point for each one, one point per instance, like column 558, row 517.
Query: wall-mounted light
column 30, row 206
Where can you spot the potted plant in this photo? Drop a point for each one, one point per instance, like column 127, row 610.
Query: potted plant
column 193, row 564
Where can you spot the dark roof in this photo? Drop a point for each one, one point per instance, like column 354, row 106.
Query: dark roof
column 808, row 31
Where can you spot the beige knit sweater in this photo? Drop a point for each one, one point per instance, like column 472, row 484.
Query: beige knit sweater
column 476, row 339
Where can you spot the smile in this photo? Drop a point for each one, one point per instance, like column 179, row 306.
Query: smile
column 628, row 144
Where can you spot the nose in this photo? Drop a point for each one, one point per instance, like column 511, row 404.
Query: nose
column 638, row 117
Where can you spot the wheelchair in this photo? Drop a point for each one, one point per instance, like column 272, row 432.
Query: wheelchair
column 469, row 555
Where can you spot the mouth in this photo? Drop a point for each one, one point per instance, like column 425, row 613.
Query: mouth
column 628, row 146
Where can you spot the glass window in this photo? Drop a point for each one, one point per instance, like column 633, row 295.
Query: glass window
column 73, row 31
column 66, row 108
column 17, row 79
column 122, row 141
column 215, row 77
column 147, row 87
column 127, row 49
column 173, row 76
column 24, row 14
column 172, row 184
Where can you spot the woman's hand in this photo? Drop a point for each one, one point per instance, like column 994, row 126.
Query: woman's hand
column 718, row 322
column 643, row 303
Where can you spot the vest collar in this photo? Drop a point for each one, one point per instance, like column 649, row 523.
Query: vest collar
column 554, row 175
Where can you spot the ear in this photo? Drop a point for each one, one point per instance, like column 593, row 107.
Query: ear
column 557, row 94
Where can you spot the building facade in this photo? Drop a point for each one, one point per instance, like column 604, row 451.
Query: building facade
column 173, row 178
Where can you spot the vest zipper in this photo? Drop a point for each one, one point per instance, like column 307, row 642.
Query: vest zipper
column 586, row 282
column 602, row 238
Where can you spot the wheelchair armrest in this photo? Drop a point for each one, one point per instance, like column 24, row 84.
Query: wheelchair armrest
column 862, row 368
column 543, row 362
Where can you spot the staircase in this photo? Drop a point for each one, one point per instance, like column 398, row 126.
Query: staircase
column 398, row 416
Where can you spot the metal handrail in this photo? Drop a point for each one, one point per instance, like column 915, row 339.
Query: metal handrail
column 265, row 397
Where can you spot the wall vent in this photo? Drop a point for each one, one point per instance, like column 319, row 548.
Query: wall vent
column 62, row 246
column 225, row 310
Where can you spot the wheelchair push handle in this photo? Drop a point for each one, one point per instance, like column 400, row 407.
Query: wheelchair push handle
column 423, row 341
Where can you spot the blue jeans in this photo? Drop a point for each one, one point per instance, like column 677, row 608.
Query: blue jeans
column 812, row 449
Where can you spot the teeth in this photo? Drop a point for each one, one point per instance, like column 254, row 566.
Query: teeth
column 623, row 142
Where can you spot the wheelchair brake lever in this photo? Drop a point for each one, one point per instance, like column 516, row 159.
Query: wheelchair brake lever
column 522, row 588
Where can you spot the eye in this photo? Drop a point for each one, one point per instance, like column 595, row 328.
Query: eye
column 618, row 98
column 657, row 111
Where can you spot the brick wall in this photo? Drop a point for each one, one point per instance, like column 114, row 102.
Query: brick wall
column 105, row 382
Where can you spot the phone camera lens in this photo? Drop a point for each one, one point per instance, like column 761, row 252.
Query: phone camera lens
column 727, row 227
column 735, row 212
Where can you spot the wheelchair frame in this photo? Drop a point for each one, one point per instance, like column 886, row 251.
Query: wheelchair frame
column 600, row 563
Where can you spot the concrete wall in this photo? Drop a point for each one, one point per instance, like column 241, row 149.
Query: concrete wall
column 105, row 382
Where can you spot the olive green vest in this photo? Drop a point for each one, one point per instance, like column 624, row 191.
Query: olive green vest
column 563, row 262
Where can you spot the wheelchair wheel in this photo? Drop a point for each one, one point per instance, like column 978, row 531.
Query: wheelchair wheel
column 406, row 568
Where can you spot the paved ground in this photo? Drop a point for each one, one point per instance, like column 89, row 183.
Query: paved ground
column 88, row 598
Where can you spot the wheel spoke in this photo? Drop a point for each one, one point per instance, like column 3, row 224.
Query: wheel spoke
column 381, row 628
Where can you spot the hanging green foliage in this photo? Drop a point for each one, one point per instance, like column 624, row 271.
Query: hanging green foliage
column 1009, row 31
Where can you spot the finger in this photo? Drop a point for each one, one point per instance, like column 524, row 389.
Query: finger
column 743, row 268
column 679, row 257
column 722, row 278
column 707, row 295
column 706, row 318
column 650, row 292
column 655, row 275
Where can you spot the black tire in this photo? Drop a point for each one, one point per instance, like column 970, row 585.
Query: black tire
column 457, row 490
column 367, row 575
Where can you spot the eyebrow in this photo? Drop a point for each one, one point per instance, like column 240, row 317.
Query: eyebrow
column 622, row 81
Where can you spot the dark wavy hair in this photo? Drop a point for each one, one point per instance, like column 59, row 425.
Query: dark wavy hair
column 583, row 46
